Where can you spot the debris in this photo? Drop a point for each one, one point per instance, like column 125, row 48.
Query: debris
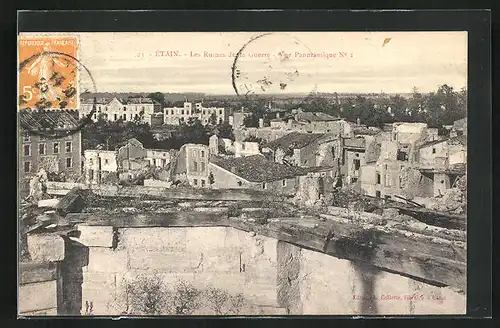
column 129, row 210
column 52, row 203
column 72, row 202
column 453, row 201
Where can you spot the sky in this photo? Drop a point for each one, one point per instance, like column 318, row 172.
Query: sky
column 390, row 62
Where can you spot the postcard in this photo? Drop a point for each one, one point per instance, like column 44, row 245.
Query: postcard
column 242, row 173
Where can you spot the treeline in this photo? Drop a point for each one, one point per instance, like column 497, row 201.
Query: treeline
column 111, row 135
column 442, row 107
column 438, row 108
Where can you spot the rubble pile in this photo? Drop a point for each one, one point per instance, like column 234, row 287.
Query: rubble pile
column 453, row 201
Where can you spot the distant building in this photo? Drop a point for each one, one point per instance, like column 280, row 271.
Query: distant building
column 192, row 165
column 246, row 148
column 131, row 109
column 407, row 133
column 238, row 118
column 59, row 155
column 353, row 158
column 459, row 128
column 129, row 153
column 315, row 122
column 443, row 161
column 158, row 157
column 258, row 173
column 206, row 115
column 99, row 164
column 128, row 161
column 305, row 149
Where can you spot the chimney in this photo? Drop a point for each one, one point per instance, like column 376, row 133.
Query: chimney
column 261, row 122
column 358, row 121
column 277, row 115
column 289, row 125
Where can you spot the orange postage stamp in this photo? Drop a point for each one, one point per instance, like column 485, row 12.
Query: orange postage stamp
column 48, row 72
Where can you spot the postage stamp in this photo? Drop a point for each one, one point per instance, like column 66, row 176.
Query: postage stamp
column 48, row 72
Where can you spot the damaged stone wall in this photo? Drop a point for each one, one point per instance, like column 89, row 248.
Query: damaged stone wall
column 273, row 277
column 314, row 283
column 220, row 257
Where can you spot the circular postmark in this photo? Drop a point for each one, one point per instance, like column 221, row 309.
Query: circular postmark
column 271, row 64
column 51, row 82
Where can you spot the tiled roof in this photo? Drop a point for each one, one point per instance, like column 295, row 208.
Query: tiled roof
column 294, row 140
column 42, row 120
column 257, row 168
column 461, row 139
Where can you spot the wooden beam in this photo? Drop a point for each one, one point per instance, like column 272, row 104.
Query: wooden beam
column 426, row 257
column 436, row 218
column 166, row 193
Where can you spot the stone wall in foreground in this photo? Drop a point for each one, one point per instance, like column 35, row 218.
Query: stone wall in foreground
column 39, row 289
column 315, row 283
column 226, row 258
column 97, row 268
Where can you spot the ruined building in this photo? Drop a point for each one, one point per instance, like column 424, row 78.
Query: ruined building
column 60, row 155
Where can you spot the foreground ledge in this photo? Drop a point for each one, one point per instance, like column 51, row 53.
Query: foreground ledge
column 433, row 259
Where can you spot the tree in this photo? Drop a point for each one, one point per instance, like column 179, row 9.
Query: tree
column 185, row 299
column 111, row 134
column 225, row 130
column 251, row 121
column 158, row 97
column 147, row 295
column 212, row 120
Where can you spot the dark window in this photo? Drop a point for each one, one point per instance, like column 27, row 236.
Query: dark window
column 283, row 183
column 333, row 152
column 357, row 164
column 264, row 185
column 378, row 178
column 26, row 137
column 195, row 182
column 41, row 149
column 202, row 154
column 220, row 112
column 116, row 117
column 68, row 146
column 239, row 183
column 124, row 108
column 27, row 167
column 195, row 166
column 377, row 193
column 27, row 150
column 202, row 167
column 68, row 162
column 203, row 183
column 433, row 150
column 56, row 148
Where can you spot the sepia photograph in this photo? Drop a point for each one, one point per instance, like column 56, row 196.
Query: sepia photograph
column 242, row 173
